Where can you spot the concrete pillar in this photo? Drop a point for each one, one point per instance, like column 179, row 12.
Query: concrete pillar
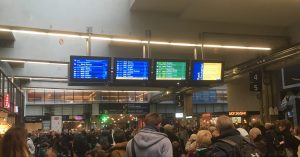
column 95, row 109
column 188, row 105
column 267, row 99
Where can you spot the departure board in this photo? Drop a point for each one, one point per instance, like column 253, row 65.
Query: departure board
column 206, row 71
column 89, row 68
column 171, row 70
column 130, row 69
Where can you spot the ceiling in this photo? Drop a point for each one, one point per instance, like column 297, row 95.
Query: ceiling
column 276, row 13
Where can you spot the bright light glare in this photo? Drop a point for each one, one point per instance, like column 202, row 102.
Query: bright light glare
column 135, row 41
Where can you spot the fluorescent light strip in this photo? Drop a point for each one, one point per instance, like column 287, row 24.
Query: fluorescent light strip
column 33, row 62
column 112, row 91
column 135, row 41
column 41, row 78
column 237, row 47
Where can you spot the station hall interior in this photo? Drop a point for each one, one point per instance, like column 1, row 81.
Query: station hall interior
column 256, row 42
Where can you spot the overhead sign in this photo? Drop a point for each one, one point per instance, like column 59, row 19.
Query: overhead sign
column 237, row 113
column 6, row 101
column 255, row 79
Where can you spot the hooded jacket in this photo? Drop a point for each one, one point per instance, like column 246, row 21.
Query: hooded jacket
column 150, row 143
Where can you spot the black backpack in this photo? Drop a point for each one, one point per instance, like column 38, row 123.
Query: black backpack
column 243, row 149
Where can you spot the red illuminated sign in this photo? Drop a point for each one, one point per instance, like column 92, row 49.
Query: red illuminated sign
column 237, row 113
column 6, row 101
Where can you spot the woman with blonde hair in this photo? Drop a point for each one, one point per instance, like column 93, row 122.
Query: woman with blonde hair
column 203, row 142
column 14, row 143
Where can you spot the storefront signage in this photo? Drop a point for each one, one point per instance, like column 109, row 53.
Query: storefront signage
column 237, row 113
column 127, row 108
column 6, row 101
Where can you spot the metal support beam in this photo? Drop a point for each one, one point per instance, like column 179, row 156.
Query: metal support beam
column 88, row 41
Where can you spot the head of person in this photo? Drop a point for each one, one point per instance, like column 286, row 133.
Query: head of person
column 268, row 126
column 243, row 132
column 253, row 133
column 119, row 136
column 14, row 143
column 153, row 119
column 203, row 138
column 95, row 153
column 284, row 125
column 51, row 153
column 224, row 123
column 193, row 138
column 168, row 128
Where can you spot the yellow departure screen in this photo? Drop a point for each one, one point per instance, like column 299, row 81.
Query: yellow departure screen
column 203, row 71
column 212, row 71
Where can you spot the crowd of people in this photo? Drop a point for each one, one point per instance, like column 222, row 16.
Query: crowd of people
column 222, row 139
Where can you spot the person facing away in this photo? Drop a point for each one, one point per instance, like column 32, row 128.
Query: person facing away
column 259, row 141
column 30, row 144
column 230, row 143
column 149, row 142
column 14, row 143
column 203, row 140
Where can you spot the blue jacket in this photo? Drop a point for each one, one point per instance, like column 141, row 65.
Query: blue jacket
column 150, row 143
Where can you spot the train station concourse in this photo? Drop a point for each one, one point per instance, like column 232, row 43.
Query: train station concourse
column 93, row 68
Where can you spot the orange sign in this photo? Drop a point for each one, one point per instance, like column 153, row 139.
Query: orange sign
column 6, row 101
column 237, row 113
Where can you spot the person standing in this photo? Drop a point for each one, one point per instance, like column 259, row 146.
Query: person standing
column 14, row 144
column 259, row 141
column 149, row 142
column 30, row 145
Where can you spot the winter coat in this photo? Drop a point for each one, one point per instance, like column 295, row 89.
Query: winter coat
column 150, row 143
column 298, row 151
column 222, row 149
column 290, row 142
column 261, row 144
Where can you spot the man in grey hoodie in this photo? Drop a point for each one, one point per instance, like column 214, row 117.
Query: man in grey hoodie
column 149, row 142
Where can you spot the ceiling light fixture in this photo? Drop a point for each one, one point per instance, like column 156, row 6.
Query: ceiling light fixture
column 132, row 40
column 33, row 62
column 41, row 78
column 237, row 47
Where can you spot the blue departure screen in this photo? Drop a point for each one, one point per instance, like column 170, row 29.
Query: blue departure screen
column 90, row 68
column 132, row 69
column 206, row 71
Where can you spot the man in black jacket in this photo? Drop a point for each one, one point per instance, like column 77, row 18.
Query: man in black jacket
column 230, row 143
column 259, row 141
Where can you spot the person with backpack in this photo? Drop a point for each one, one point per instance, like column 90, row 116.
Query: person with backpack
column 230, row 143
column 149, row 142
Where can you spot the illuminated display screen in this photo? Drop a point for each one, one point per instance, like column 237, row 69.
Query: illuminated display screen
column 89, row 68
column 171, row 70
column 130, row 69
column 206, row 71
